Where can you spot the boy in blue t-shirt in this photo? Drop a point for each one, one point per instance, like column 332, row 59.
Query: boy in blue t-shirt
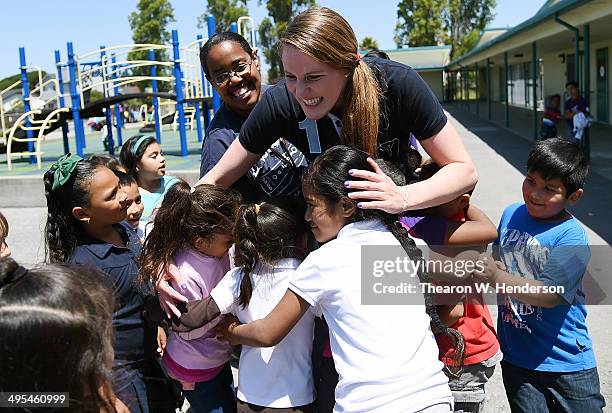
column 548, row 364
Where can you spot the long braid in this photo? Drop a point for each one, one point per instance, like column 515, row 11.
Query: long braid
column 415, row 254
column 247, row 255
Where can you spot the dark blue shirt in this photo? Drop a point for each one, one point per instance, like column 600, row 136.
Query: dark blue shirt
column 277, row 173
column 119, row 264
column 575, row 106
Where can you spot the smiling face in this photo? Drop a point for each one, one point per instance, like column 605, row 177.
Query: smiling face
column 152, row 164
column 108, row 202
column 318, row 87
column 546, row 198
column 325, row 220
column 240, row 93
column 136, row 207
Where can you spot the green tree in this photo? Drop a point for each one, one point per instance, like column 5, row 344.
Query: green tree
column 148, row 24
column 419, row 23
column 280, row 13
column 225, row 11
column 431, row 22
column 32, row 80
column 464, row 17
column 368, row 43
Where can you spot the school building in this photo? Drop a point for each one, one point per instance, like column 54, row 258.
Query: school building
column 509, row 75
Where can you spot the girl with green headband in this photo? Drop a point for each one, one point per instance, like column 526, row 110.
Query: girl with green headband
column 143, row 158
column 86, row 207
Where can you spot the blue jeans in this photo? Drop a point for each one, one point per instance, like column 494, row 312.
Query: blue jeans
column 130, row 388
column 542, row 391
column 215, row 395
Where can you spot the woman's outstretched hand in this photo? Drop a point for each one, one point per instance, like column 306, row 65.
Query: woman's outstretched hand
column 378, row 191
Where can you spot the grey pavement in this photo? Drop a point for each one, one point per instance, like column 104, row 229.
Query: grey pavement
column 500, row 157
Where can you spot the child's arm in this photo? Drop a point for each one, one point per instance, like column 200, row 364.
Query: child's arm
column 194, row 314
column 494, row 274
column 450, row 314
column 477, row 229
column 269, row 331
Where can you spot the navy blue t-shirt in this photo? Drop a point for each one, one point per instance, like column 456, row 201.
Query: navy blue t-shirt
column 119, row 263
column 408, row 106
column 277, row 173
column 575, row 106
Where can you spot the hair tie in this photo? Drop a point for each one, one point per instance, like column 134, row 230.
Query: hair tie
column 358, row 57
column 62, row 169
column 15, row 276
column 139, row 142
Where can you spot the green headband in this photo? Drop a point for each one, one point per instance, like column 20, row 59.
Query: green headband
column 62, row 169
column 139, row 142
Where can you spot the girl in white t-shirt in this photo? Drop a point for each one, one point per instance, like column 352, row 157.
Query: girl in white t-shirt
column 270, row 243
column 386, row 355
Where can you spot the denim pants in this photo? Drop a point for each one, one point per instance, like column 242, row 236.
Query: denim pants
column 215, row 395
column 129, row 387
column 541, row 391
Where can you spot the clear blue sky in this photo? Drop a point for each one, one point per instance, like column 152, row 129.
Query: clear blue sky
column 43, row 26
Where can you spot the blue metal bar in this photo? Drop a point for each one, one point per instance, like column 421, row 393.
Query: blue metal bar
column 62, row 103
column 198, row 116
column 118, row 118
column 75, row 98
column 234, row 27
column 206, row 114
column 109, row 118
column 204, row 103
column 178, row 85
column 210, row 21
column 25, row 96
column 155, row 98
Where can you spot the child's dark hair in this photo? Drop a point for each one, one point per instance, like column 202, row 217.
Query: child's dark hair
column 559, row 158
column 265, row 234
column 326, row 177
column 572, row 83
column 220, row 38
column 125, row 179
column 377, row 53
column 4, row 226
column 62, row 228
column 56, row 324
column 111, row 162
column 183, row 217
column 129, row 158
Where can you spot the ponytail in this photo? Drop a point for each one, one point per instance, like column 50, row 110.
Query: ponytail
column 183, row 217
column 247, row 257
column 361, row 118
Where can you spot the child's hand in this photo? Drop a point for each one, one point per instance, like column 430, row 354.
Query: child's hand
column 225, row 330
column 167, row 294
column 487, row 269
column 162, row 340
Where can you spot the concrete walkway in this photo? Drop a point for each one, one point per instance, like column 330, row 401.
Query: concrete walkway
column 500, row 157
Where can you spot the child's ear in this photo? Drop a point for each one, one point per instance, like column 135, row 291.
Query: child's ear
column 81, row 215
column 573, row 198
column 464, row 201
column 348, row 208
column 200, row 243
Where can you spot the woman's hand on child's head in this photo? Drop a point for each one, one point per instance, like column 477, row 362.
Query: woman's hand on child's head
column 168, row 295
column 487, row 269
column 378, row 189
column 225, row 329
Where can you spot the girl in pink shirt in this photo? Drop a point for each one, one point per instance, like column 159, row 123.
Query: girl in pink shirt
column 193, row 230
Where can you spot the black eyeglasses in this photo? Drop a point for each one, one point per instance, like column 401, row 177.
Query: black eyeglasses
column 239, row 70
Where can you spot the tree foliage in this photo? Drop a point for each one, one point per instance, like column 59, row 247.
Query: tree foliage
column 32, row 80
column 225, row 12
column 368, row 43
column 432, row 22
column 280, row 13
column 419, row 23
column 149, row 25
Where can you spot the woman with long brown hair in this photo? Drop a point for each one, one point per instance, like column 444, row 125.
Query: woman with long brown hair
column 330, row 95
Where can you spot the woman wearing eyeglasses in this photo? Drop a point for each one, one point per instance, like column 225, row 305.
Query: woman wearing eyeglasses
column 330, row 96
column 232, row 67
